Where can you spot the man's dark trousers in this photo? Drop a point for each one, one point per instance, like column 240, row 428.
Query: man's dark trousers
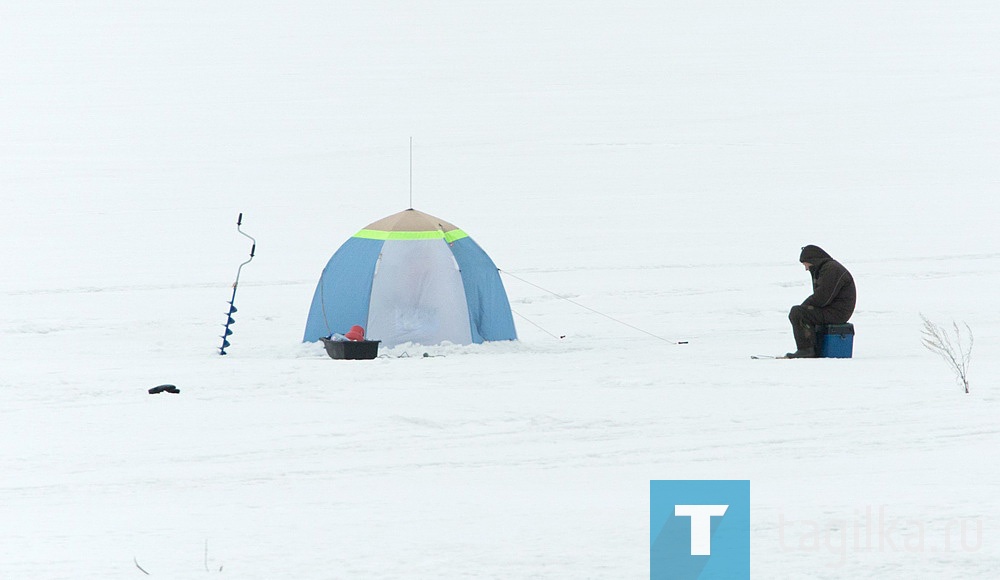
column 804, row 318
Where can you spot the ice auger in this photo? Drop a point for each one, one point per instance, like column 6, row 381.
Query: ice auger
column 232, row 307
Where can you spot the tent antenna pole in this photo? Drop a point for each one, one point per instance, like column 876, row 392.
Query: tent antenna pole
column 411, row 172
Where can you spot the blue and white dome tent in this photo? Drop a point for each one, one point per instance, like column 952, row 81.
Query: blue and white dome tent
column 411, row 277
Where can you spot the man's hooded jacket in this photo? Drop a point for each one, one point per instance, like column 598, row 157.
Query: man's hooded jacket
column 833, row 285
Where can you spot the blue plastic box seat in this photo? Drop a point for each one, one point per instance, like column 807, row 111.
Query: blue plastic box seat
column 835, row 340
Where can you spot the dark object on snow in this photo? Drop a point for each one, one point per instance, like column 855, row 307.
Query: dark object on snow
column 351, row 349
column 832, row 301
column 164, row 389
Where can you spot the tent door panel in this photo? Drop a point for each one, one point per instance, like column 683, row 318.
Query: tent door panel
column 418, row 296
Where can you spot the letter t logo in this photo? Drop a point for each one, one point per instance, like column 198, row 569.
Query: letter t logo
column 701, row 525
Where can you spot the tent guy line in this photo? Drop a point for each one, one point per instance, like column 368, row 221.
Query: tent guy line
column 538, row 326
column 591, row 309
column 412, row 277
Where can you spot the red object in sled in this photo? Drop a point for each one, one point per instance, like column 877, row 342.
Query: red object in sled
column 355, row 333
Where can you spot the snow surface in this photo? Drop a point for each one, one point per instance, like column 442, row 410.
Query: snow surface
column 658, row 162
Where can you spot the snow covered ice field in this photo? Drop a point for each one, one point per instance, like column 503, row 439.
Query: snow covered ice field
column 658, row 162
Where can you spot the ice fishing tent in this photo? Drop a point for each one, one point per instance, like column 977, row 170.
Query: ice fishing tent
column 411, row 277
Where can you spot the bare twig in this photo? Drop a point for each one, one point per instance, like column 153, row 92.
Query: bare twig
column 136, row 560
column 958, row 356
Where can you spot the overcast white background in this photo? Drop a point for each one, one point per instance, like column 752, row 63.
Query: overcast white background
column 659, row 162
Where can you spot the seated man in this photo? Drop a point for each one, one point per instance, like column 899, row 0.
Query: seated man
column 832, row 300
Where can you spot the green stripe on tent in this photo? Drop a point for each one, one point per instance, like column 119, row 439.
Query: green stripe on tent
column 434, row 235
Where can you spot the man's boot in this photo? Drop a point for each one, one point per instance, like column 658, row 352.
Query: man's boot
column 805, row 340
column 802, row 353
